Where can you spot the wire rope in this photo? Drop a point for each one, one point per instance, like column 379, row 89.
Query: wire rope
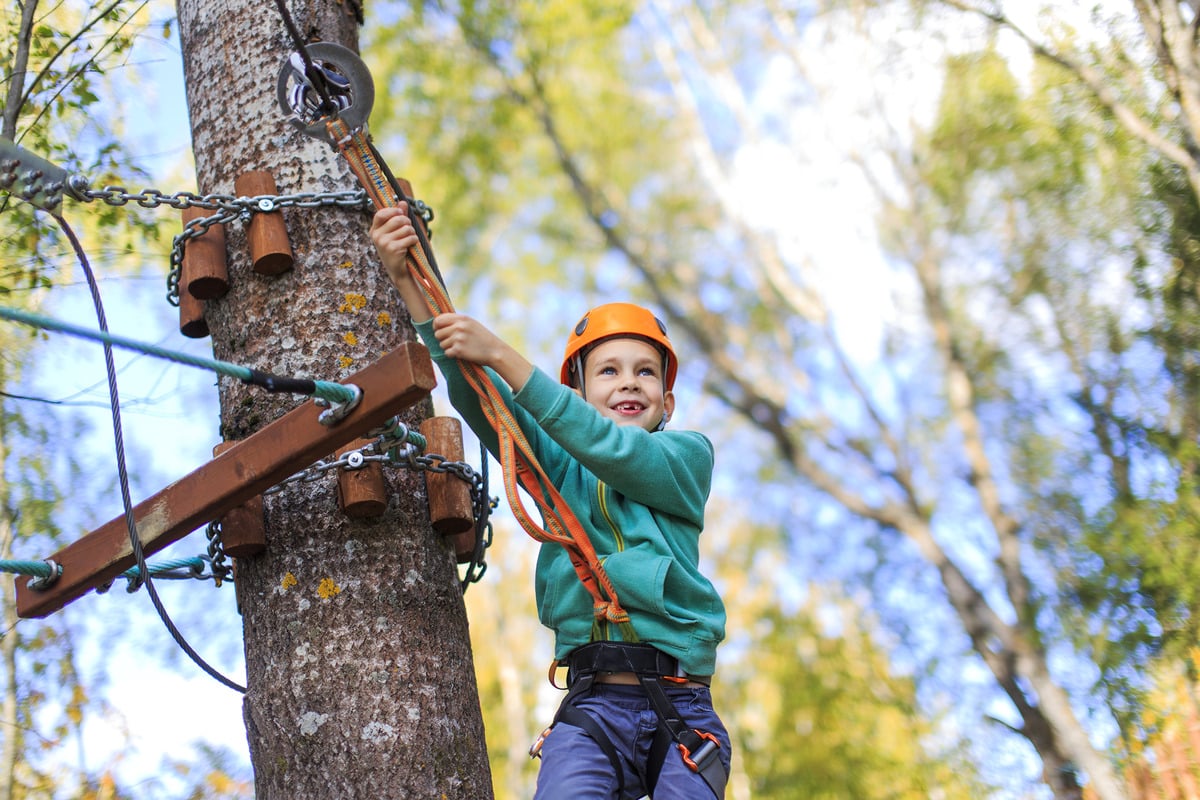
column 122, row 471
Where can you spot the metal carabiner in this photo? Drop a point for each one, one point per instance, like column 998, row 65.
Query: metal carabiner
column 348, row 86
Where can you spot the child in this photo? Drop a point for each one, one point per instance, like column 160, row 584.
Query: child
column 638, row 716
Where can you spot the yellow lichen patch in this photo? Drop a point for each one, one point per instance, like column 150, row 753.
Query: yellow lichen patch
column 384, row 319
column 289, row 580
column 345, row 361
column 345, row 265
column 328, row 588
column 353, row 303
column 349, row 338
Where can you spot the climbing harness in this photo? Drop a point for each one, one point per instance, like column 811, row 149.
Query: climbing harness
column 653, row 668
column 346, row 132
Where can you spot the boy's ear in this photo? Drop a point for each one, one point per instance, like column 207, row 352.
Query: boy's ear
column 669, row 404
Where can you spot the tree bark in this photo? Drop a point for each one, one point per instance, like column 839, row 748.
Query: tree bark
column 360, row 680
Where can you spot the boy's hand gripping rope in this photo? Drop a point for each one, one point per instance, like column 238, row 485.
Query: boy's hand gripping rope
column 345, row 130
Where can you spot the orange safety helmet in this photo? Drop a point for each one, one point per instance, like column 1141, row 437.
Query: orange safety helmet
column 619, row 319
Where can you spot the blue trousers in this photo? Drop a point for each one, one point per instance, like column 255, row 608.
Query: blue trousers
column 575, row 768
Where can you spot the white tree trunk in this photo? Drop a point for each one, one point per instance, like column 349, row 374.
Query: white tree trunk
column 360, row 675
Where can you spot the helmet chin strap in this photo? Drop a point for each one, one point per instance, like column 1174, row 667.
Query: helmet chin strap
column 662, row 423
column 577, row 367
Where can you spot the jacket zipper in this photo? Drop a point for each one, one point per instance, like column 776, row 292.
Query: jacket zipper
column 618, row 539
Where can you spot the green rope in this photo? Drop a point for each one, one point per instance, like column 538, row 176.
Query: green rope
column 195, row 563
column 326, row 390
column 46, row 571
column 34, row 569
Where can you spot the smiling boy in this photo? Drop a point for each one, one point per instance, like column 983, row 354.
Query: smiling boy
column 638, row 716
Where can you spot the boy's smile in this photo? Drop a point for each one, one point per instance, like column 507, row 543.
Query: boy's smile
column 623, row 378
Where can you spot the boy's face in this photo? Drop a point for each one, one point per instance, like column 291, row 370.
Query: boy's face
column 623, row 378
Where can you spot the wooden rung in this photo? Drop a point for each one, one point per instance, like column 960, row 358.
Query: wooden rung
column 242, row 528
column 450, row 509
column 203, row 273
column 292, row 443
column 192, row 322
column 361, row 490
column 270, row 249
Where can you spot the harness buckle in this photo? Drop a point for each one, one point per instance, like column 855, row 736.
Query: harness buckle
column 709, row 748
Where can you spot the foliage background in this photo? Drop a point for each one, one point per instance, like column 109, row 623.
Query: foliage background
column 854, row 215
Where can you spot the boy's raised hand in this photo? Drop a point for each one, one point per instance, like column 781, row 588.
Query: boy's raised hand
column 393, row 234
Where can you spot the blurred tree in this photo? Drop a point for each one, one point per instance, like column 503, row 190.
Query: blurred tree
column 54, row 62
column 972, row 391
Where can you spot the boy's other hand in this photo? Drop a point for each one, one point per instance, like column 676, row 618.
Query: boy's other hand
column 467, row 339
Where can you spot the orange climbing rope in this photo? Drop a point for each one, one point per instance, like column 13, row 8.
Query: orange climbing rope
column 521, row 468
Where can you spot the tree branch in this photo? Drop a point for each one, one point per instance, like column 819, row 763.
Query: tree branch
column 1185, row 157
column 16, row 77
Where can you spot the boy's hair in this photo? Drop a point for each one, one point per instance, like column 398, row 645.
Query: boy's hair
column 617, row 320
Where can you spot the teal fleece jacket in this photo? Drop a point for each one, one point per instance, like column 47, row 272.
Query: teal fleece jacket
column 639, row 495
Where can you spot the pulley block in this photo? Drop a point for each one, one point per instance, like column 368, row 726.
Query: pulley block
column 338, row 86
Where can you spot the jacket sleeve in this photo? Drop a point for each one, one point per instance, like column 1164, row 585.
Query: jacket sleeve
column 467, row 403
column 670, row 471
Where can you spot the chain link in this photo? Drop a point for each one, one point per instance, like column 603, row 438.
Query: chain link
column 221, row 571
column 228, row 208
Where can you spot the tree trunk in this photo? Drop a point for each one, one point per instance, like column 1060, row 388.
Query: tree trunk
column 359, row 670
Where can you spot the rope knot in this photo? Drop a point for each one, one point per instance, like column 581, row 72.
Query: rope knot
column 611, row 612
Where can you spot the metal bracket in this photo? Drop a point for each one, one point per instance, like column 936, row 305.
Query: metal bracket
column 35, row 180
column 348, row 85
column 40, row 584
column 336, row 412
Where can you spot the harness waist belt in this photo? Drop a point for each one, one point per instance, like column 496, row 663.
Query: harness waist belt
column 641, row 659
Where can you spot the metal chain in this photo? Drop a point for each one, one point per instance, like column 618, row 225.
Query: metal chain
column 229, row 208
column 392, row 448
column 399, row 451
column 221, row 571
